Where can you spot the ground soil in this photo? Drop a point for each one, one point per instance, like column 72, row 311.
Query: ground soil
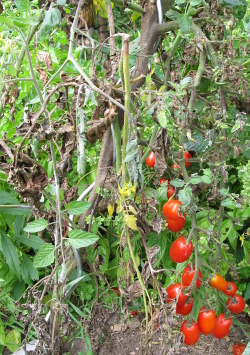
column 110, row 335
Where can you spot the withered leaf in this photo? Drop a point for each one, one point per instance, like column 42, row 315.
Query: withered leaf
column 160, row 147
column 45, row 58
column 42, row 74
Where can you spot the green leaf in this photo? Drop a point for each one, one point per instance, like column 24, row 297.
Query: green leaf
column 36, row 226
column 199, row 144
column 27, row 269
column 10, row 254
column 195, row 2
column 195, row 180
column 13, row 340
column 247, row 292
column 185, row 195
column 33, row 241
column 229, row 203
column 45, row 256
column 22, row 5
column 2, row 333
column 13, row 211
column 77, row 207
column 185, row 22
column 232, row 3
column 83, row 278
column 162, row 118
column 235, row 127
column 177, row 183
column 61, row 2
column 81, row 239
column 233, row 237
column 7, row 199
column 52, row 18
column 206, row 179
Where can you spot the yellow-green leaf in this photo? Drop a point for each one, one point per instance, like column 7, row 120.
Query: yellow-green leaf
column 130, row 221
column 13, row 340
column 111, row 210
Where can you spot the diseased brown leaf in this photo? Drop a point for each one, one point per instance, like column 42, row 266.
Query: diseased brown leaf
column 45, row 58
column 42, row 74
column 160, row 147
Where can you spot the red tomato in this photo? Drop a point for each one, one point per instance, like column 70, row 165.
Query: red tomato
column 185, row 308
column 236, row 305
column 175, row 167
column 231, row 289
column 171, row 209
column 222, row 327
column 134, row 313
column 171, row 191
column 187, row 155
column 239, row 348
column 188, row 274
column 175, row 225
column 191, row 333
column 150, row 161
column 116, row 290
column 163, row 180
column 218, row 282
column 206, row 321
column 180, row 251
column 175, row 292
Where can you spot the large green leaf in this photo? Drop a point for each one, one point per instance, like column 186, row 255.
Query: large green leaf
column 13, row 340
column 23, row 5
column 81, row 239
column 36, row 226
column 10, row 254
column 185, row 22
column 52, row 18
column 33, row 241
column 28, row 270
column 2, row 333
column 20, row 211
column 45, row 256
column 7, row 199
column 77, row 207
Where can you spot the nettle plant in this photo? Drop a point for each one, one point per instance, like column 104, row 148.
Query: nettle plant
column 126, row 184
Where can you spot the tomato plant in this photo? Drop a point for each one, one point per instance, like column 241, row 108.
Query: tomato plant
column 231, row 289
column 180, row 250
column 188, row 274
column 191, row 332
column 218, row 282
column 175, row 225
column 187, row 155
column 236, row 305
column 175, row 293
column 239, row 348
column 222, row 327
column 150, row 161
column 185, row 308
column 206, row 321
column 171, row 191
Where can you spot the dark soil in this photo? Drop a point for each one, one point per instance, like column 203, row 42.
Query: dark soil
column 111, row 336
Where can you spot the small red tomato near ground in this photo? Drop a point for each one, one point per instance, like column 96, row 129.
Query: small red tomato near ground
column 116, row 290
column 134, row 313
column 175, row 225
column 187, row 155
column 180, row 250
column 171, row 209
column 171, row 191
column 188, row 275
column 163, row 180
column 206, row 321
column 191, row 333
column 218, row 282
column 185, row 308
column 231, row 289
column 239, row 348
column 175, row 293
column 222, row 327
column 150, row 161
column 236, row 305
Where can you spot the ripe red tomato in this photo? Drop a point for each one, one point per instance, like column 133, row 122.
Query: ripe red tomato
column 185, row 308
column 175, row 225
column 163, row 180
column 187, row 155
column 180, row 250
column 236, row 305
column 134, row 313
column 175, row 292
column 175, row 167
column 191, row 333
column 206, row 321
column 116, row 290
column 171, row 209
column 222, row 327
column 231, row 289
column 150, row 161
column 239, row 348
column 218, row 282
column 171, row 191
column 188, row 274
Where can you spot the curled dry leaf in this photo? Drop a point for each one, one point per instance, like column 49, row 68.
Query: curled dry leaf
column 45, row 58
column 160, row 147
column 42, row 74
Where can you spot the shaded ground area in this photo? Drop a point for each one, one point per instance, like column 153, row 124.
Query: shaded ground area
column 109, row 336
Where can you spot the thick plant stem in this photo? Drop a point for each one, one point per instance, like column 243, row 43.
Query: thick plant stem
column 117, row 135
column 140, row 280
column 127, row 99
column 170, row 56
